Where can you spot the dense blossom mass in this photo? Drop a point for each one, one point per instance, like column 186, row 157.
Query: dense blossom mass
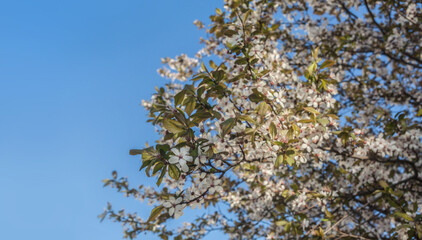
column 297, row 120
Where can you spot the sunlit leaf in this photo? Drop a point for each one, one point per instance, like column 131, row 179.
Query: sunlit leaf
column 173, row 125
column 155, row 213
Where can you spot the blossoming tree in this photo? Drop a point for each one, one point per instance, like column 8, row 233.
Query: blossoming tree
column 301, row 119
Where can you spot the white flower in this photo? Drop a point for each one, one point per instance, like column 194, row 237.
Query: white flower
column 201, row 159
column 215, row 186
column 197, row 204
column 315, row 139
column 181, row 156
column 305, row 223
column 300, row 158
column 179, row 211
column 174, row 206
column 305, row 145
column 411, row 13
column 278, row 97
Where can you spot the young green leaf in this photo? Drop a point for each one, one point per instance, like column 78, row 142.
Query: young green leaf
column 263, row 108
column 404, row 216
column 160, row 178
column 273, row 130
column 311, row 110
column 278, row 161
column 178, row 98
column 227, row 126
column 327, row 64
column 155, row 213
column 290, row 160
column 246, row 118
column 136, row 151
column 333, row 116
column 190, row 106
column 174, row 172
column 173, row 125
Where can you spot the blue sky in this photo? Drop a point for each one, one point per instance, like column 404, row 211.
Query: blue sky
column 72, row 76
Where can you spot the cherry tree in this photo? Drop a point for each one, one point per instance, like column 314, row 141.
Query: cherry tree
column 298, row 119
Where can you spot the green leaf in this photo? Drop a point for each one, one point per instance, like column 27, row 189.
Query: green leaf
column 178, row 98
column 157, row 167
column 263, row 108
column 198, row 76
column 323, row 121
column 281, row 222
column 190, row 89
column 106, row 182
column 290, row 133
column 315, row 53
column 200, row 116
column 162, row 148
column 256, row 98
column 173, row 125
column 190, row 106
column 328, row 214
column 296, row 129
column 227, row 126
column 148, row 169
column 203, row 67
column 246, row 118
column 148, row 154
column 404, row 216
column 264, row 72
column 241, row 61
column 212, row 64
column 216, row 115
column 102, row 216
column 136, row 151
column 290, row 160
column 323, row 85
column 293, row 141
column 253, row 61
column 312, row 68
column 344, row 137
column 278, row 161
column 383, row 184
column 419, row 230
column 311, row 110
column 174, row 172
column 273, row 130
column 307, row 74
column 287, row 227
column 306, row 121
column 246, row 15
column 327, row 64
column 200, row 91
column 290, row 152
column 160, row 178
column 321, row 232
column 333, row 116
column 155, row 213
column 392, row 202
column 218, row 75
column 144, row 164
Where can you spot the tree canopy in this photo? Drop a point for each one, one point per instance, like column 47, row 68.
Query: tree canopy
column 298, row 119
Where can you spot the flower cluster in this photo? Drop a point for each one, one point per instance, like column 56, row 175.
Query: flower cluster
column 302, row 125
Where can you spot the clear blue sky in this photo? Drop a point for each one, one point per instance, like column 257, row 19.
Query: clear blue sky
column 72, row 76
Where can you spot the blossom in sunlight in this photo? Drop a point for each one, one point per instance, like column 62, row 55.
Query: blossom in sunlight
column 181, row 157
